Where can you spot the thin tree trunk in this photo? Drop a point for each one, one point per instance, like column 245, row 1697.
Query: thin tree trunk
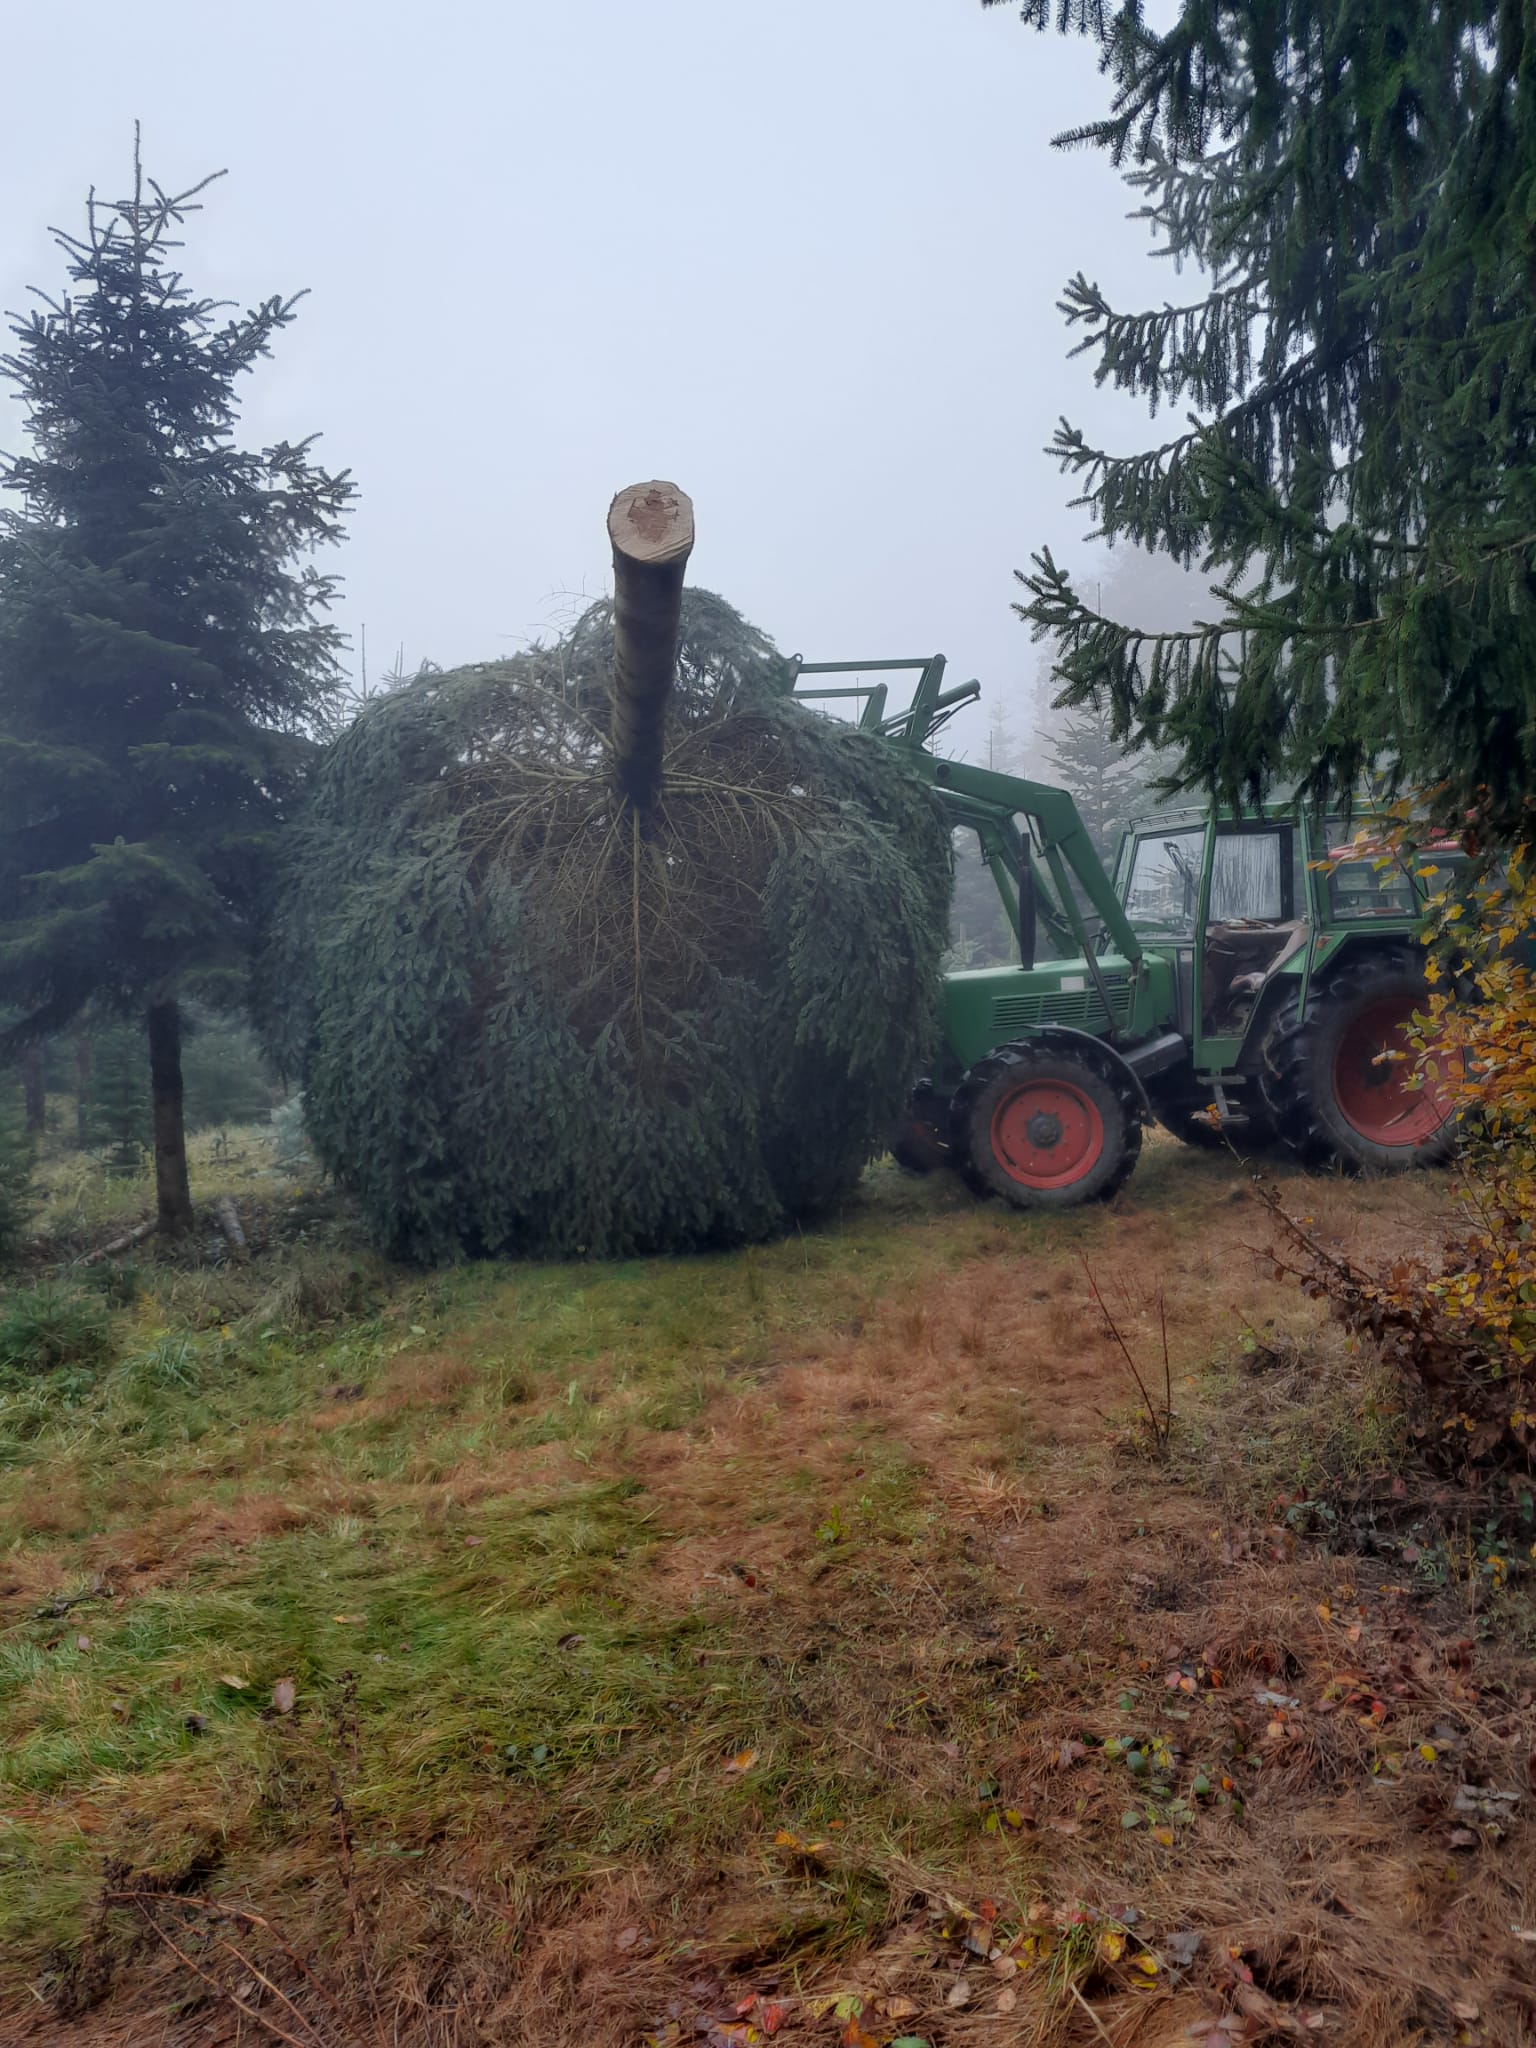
column 34, row 1088
column 82, row 1088
column 173, row 1192
column 651, row 528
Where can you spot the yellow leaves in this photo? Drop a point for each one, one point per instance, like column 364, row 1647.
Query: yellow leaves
column 739, row 1764
column 791, row 1844
column 1111, row 1945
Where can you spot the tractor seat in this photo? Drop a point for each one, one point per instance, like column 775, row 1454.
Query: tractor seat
column 1239, row 958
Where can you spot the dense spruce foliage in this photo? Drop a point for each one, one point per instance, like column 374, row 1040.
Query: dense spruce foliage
column 1354, row 365
column 527, row 1019
column 164, row 650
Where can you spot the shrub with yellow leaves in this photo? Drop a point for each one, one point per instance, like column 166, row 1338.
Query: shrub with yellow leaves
column 1462, row 1327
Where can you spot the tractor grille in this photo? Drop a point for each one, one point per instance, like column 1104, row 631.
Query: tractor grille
column 1081, row 1007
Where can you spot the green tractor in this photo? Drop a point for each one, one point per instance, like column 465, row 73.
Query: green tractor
column 1222, row 983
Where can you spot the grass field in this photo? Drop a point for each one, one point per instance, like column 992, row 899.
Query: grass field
column 818, row 1642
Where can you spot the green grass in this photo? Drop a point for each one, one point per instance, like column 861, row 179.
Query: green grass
column 76, row 1195
column 435, row 1505
column 422, row 1631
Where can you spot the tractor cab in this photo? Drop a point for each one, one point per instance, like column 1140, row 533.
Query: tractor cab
column 1228, row 897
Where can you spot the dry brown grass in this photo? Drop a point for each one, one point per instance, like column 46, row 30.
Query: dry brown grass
column 934, row 1555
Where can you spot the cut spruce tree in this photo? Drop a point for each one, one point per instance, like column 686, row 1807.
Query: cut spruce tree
column 612, row 947
column 163, row 650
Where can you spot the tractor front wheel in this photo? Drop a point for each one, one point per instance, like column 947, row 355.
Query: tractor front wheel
column 1340, row 1080
column 1045, row 1129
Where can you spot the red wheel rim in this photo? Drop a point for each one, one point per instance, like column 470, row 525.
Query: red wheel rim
column 1047, row 1134
column 1372, row 1072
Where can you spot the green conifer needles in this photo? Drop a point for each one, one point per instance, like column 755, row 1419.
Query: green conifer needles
column 530, row 1017
column 1352, row 187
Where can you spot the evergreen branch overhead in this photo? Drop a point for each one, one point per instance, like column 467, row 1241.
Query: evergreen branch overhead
column 1355, row 184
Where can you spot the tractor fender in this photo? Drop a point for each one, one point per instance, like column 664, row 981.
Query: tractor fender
column 1083, row 1042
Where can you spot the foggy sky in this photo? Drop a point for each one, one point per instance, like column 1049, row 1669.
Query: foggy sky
column 800, row 256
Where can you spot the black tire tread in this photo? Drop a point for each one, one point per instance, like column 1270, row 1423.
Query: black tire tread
column 1021, row 1053
column 1290, row 1075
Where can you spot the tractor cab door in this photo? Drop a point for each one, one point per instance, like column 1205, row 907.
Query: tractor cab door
column 1159, row 883
column 1254, row 923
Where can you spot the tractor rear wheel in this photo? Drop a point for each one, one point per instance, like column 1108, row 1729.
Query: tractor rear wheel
column 1340, row 1080
column 1045, row 1129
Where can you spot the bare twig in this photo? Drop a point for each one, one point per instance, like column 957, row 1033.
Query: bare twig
column 1162, row 1425
column 250, row 2011
column 220, row 1909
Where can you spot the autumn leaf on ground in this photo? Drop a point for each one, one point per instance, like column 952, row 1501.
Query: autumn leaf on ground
column 792, row 1845
column 743, row 1760
column 283, row 1696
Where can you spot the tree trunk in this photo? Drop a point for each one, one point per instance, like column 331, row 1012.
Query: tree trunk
column 173, row 1193
column 34, row 1088
column 651, row 528
column 82, row 1088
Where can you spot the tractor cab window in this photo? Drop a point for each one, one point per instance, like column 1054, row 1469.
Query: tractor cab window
column 1163, row 890
column 1248, row 878
column 1365, row 880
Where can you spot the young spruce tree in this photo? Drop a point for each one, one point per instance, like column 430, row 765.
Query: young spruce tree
column 1110, row 785
column 1356, row 465
column 163, row 648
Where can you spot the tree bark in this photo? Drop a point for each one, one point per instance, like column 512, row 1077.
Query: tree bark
column 651, row 528
column 173, row 1192
column 34, row 1088
column 82, row 1088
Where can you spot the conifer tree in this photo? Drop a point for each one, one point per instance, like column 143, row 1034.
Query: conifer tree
column 163, row 647
column 118, row 1118
column 1109, row 784
column 1355, row 469
column 16, row 1162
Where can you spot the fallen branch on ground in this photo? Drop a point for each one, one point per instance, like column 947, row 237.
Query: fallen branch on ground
column 227, row 1217
column 119, row 1244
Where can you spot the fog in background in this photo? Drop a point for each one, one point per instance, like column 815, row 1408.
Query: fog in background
column 801, row 258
